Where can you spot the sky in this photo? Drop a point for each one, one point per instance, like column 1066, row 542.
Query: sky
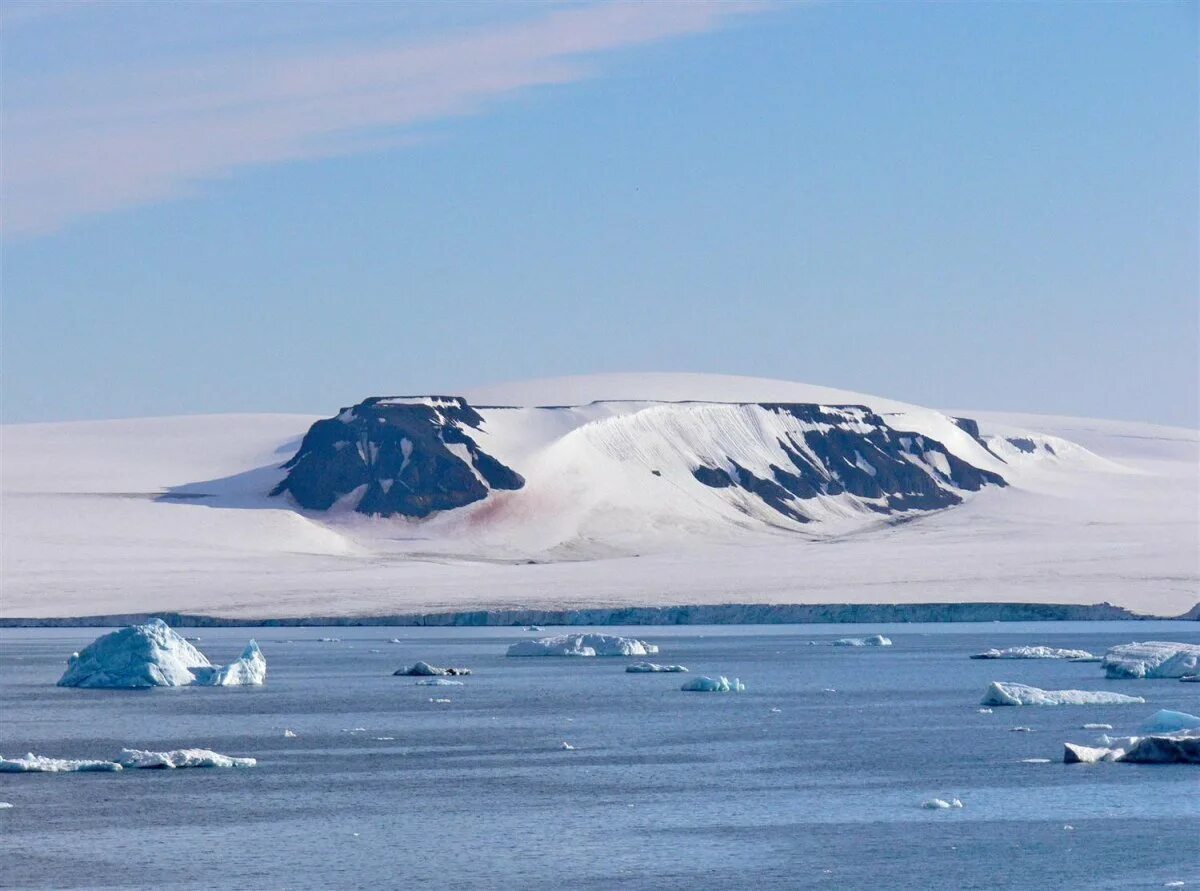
column 269, row 207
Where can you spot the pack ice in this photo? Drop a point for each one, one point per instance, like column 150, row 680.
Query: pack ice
column 874, row 640
column 1152, row 659
column 1002, row 693
column 129, row 758
column 713, row 685
column 1037, row 653
column 152, row 655
column 583, row 645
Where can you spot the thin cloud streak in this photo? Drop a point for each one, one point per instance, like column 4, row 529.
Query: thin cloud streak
column 137, row 137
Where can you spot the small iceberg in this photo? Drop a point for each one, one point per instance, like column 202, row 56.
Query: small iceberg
column 653, row 667
column 713, row 685
column 179, row 758
column 1167, row 748
column 1152, row 659
column 152, row 655
column 583, row 645
column 289, row 734
column 941, row 804
column 1037, row 653
column 1168, row 721
column 874, row 640
column 1001, row 693
column 567, row 747
column 32, row 763
column 1097, row 726
column 424, row 669
column 439, row 682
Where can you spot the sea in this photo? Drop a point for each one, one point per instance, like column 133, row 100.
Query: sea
column 555, row 773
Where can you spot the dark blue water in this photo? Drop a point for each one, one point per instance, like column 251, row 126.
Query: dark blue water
column 663, row 790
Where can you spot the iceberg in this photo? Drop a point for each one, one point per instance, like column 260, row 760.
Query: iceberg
column 1168, row 721
column 713, row 685
column 653, row 667
column 583, row 645
column 1037, row 653
column 941, row 804
column 178, row 758
column 439, row 682
column 249, row 670
column 1001, row 693
column 874, row 640
column 1182, row 747
column 424, row 669
column 32, row 763
column 152, row 655
column 1152, row 659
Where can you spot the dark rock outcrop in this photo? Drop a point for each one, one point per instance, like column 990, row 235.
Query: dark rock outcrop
column 401, row 453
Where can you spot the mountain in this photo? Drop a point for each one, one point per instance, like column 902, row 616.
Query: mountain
column 598, row 491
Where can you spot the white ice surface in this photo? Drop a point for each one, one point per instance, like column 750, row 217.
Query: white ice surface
column 177, row 758
column 1152, row 659
column 583, row 645
column 152, row 655
column 873, row 640
column 1002, row 693
column 654, row 668
column 84, row 532
column 32, row 763
column 1037, row 652
column 713, row 685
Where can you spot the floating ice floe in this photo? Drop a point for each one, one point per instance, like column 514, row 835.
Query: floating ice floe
column 1097, row 726
column 1001, row 693
column 1168, row 721
column 5, row 805
column 1035, row 760
column 583, row 645
column 152, row 655
column 874, row 640
column 567, row 747
column 290, row 734
column 941, row 804
column 1021, row 730
column 32, row 763
column 534, row 628
column 653, row 667
column 329, row 640
column 985, row 711
column 439, row 682
column 713, row 685
column 136, row 759
column 180, row 758
column 1037, row 653
column 1167, row 748
column 424, row 669
column 439, row 700
column 1152, row 659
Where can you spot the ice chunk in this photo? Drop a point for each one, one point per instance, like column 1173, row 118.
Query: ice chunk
column 649, row 667
column 1075, row 754
column 439, row 682
column 567, row 747
column 941, row 804
column 874, row 640
column 290, row 734
column 1037, row 653
column 1097, row 726
column 1182, row 747
column 152, row 655
column 248, row 670
column 32, row 763
column 1167, row 721
column 5, row 805
column 176, row 758
column 583, row 645
column 1002, row 693
column 1152, row 659
column 985, row 711
column 1191, row 678
column 713, row 685
column 424, row 669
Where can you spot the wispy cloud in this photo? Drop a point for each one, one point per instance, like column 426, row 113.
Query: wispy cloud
column 75, row 147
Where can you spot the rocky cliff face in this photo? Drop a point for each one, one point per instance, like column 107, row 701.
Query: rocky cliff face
column 411, row 457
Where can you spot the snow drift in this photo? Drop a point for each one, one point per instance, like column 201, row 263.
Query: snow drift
column 152, row 655
column 1000, row 693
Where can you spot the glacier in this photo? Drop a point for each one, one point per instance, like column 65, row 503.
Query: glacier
column 583, row 645
column 1003, row 693
column 152, row 655
column 1037, row 653
column 1152, row 659
column 713, row 685
column 653, row 667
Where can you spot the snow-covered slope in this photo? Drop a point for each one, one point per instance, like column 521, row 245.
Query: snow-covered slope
column 175, row 513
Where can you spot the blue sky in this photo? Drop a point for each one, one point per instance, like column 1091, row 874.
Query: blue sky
column 289, row 207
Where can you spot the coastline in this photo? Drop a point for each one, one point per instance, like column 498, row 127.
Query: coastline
column 712, row 614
